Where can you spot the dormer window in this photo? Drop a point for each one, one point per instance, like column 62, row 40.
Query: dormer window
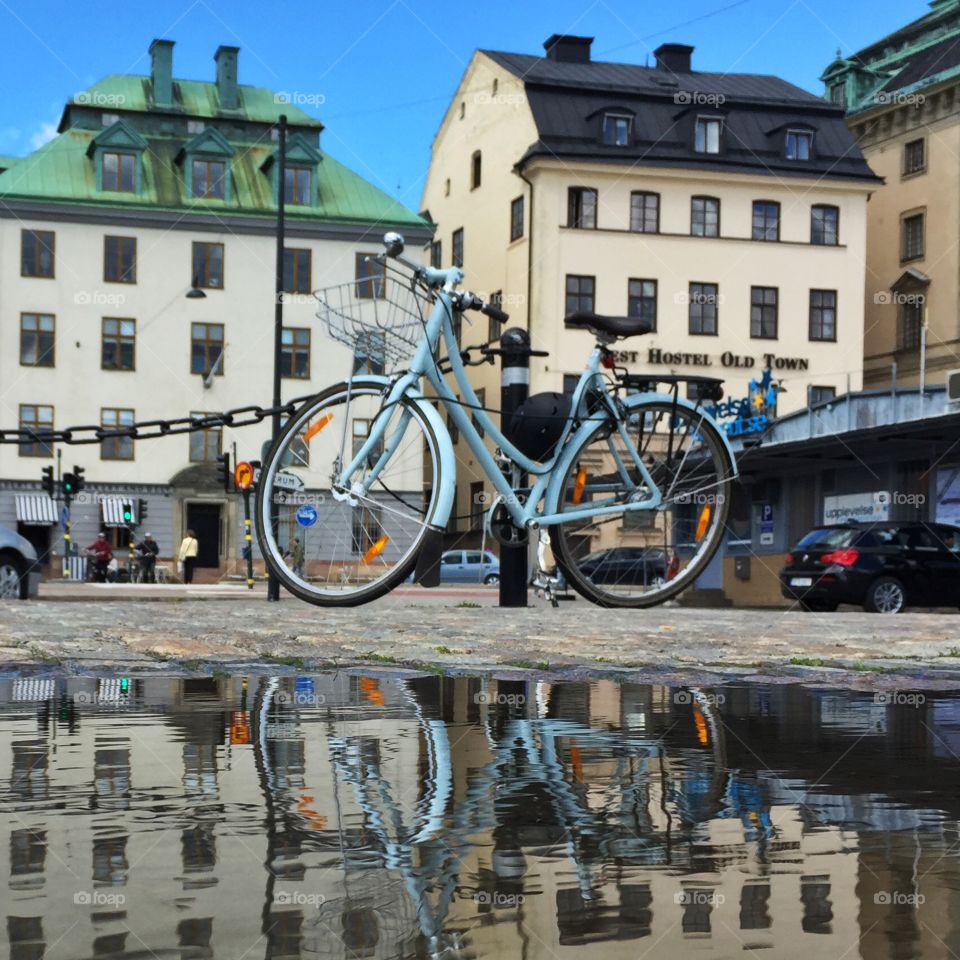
column 799, row 145
column 707, row 139
column 616, row 130
column 206, row 165
column 838, row 94
column 119, row 172
column 209, row 178
column 298, row 186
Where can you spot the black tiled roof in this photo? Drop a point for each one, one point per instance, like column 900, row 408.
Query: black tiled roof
column 568, row 100
column 926, row 63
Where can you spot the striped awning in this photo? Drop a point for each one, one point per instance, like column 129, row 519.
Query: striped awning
column 37, row 509
column 113, row 508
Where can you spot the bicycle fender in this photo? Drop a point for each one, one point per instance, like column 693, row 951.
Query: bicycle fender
column 559, row 471
column 447, row 465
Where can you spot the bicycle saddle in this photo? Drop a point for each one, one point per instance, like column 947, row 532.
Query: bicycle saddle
column 613, row 326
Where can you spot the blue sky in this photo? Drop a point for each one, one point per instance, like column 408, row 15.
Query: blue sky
column 379, row 73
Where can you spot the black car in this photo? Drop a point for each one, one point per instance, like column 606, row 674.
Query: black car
column 883, row 566
column 630, row 566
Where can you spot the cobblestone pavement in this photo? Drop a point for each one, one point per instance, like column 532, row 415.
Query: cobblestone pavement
column 462, row 629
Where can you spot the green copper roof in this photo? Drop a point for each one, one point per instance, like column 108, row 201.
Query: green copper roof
column 61, row 170
column 192, row 98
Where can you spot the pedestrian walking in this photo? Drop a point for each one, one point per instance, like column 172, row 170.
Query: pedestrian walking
column 294, row 556
column 147, row 550
column 189, row 548
column 102, row 554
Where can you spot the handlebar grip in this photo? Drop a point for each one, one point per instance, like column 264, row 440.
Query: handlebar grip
column 495, row 313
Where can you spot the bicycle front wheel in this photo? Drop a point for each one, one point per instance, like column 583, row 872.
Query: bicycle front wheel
column 357, row 542
column 642, row 557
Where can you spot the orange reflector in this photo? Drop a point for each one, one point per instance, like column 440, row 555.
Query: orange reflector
column 313, row 430
column 703, row 523
column 703, row 733
column 376, row 549
column 578, row 485
column 371, row 690
column 576, row 761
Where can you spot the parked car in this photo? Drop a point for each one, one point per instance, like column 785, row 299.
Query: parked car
column 630, row 566
column 19, row 572
column 469, row 566
column 884, row 566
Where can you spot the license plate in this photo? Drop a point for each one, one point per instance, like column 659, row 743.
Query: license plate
column 801, row 582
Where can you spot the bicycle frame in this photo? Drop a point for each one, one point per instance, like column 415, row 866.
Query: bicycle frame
column 548, row 476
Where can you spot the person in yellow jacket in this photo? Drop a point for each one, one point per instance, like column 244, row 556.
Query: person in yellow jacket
column 189, row 548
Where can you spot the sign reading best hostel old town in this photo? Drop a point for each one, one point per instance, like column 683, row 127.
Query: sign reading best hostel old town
column 727, row 360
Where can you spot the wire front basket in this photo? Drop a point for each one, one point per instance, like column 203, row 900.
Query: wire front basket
column 380, row 317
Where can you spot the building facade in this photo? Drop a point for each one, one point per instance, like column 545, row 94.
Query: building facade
column 730, row 210
column 902, row 96
column 137, row 272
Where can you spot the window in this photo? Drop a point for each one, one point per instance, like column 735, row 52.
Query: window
column 120, row 259
column 296, row 270
column 108, row 119
column 34, row 417
column 580, row 292
column 911, row 242
column 361, row 430
column 705, row 217
column 516, row 218
column 36, row 339
column 824, row 225
column 838, row 94
column 209, row 178
column 702, row 317
column 298, row 186
column 616, row 130
column 366, row 528
column 295, row 353
column 763, row 313
column 457, row 245
column 118, row 345
column 645, row 212
column 494, row 326
column 206, row 348
column 196, row 126
column 371, row 277
column 119, row 172
column 799, row 145
column 477, row 507
column 909, row 321
column 766, row 220
column 205, row 445
column 820, row 394
column 208, row 265
column 707, row 138
column 823, row 314
column 475, row 169
column 914, row 157
column 642, row 300
column 116, row 448
column 582, row 208
column 436, row 254
column 36, row 253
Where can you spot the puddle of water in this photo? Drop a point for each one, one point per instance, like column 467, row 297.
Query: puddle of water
column 342, row 815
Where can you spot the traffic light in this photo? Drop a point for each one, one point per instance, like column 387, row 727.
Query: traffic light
column 47, row 482
column 79, row 481
column 224, row 473
column 128, row 520
column 141, row 511
column 69, row 486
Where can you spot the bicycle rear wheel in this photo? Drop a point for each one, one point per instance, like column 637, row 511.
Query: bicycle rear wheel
column 357, row 546
column 642, row 557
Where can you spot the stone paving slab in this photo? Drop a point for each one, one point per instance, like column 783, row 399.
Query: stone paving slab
column 465, row 630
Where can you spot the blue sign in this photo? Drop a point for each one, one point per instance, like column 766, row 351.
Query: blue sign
column 307, row 515
column 64, row 517
column 750, row 414
column 766, row 513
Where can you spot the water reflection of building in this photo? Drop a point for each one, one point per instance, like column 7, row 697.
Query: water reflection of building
column 347, row 816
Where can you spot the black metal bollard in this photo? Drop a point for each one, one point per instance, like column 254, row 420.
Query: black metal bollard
column 514, row 388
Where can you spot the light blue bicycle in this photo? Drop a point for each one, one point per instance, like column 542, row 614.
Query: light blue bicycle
column 631, row 485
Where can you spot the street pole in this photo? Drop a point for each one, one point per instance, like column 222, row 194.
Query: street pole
column 514, row 387
column 248, row 539
column 273, row 584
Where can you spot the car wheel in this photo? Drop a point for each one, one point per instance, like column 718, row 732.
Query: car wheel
column 492, row 579
column 885, row 595
column 13, row 580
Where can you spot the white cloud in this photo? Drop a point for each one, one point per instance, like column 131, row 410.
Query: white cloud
column 44, row 135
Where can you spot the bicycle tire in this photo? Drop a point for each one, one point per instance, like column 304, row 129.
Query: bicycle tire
column 565, row 550
column 273, row 553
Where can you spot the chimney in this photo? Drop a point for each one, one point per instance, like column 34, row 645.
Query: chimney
column 161, row 72
column 227, row 89
column 567, row 49
column 673, row 57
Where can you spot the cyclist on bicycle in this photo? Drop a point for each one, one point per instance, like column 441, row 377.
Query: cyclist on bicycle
column 147, row 550
column 101, row 553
